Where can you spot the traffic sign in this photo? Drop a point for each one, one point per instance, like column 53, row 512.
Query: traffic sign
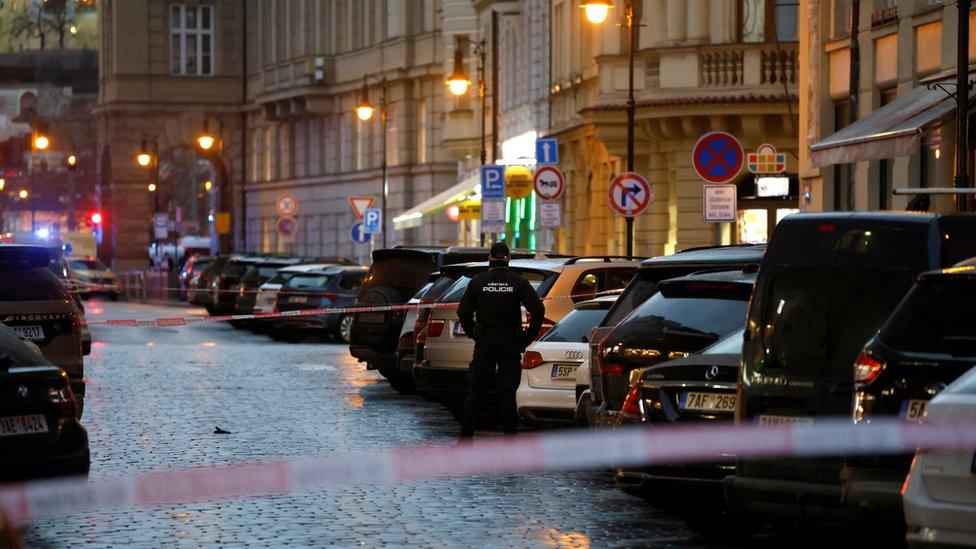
column 493, row 182
column 287, row 205
column 160, row 225
column 492, row 216
column 547, row 151
column 359, row 205
column 718, row 203
column 630, row 194
column 717, row 157
column 550, row 214
column 373, row 220
column 518, row 182
column 468, row 210
column 359, row 235
column 549, row 183
column 766, row 160
column 287, row 226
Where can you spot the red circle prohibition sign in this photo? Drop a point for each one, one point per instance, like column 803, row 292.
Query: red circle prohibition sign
column 630, row 194
column 717, row 157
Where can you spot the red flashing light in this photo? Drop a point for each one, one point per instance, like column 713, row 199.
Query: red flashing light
column 96, row 218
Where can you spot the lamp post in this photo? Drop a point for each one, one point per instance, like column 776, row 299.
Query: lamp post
column 211, row 145
column 596, row 12
column 149, row 158
column 459, row 81
column 364, row 111
column 39, row 142
column 72, row 162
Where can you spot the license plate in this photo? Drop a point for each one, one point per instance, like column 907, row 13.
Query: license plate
column 33, row 333
column 22, row 425
column 706, row 401
column 564, row 371
column 372, row 318
column 913, row 410
column 773, row 421
column 458, row 329
column 297, row 299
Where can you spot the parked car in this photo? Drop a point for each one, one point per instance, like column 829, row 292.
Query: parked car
column 34, row 304
column 396, row 275
column 251, row 280
column 928, row 342
column 199, row 288
column 223, row 285
column 689, row 390
column 827, row 283
column 40, row 434
column 561, row 282
column 683, row 316
column 267, row 293
column 193, row 266
column 591, row 404
column 551, row 377
column 940, row 491
column 93, row 277
column 315, row 289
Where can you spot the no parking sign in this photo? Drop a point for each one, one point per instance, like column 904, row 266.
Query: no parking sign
column 717, row 157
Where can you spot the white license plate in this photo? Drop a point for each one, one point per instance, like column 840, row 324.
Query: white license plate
column 913, row 410
column 22, row 425
column 773, row 421
column 458, row 329
column 33, row 333
column 372, row 318
column 718, row 402
column 564, row 371
column 297, row 299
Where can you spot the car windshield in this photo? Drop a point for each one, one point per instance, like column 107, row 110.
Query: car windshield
column 30, row 284
column 236, row 268
column 935, row 317
column 728, row 345
column 640, row 288
column 200, row 266
column 536, row 278
column 306, row 281
column 420, row 293
column 86, row 265
column 686, row 312
column 576, row 326
column 259, row 273
column 404, row 275
column 280, row 277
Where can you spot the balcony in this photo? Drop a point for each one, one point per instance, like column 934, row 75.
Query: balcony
column 748, row 66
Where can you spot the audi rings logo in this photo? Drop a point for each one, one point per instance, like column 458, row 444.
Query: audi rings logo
column 711, row 373
column 22, row 391
column 574, row 355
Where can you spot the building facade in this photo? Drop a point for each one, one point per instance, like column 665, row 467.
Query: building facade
column 904, row 136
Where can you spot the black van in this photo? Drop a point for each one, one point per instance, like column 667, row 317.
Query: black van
column 827, row 283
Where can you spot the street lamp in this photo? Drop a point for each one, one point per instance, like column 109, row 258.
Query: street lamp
column 152, row 187
column 459, row 82
column 149, row 158
column 41, row 142
column 206, row 140
column 23, row 194
column 365, row 110
column 72, row 162
column 596, row 11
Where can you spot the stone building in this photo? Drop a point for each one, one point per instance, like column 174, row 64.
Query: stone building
column 904, row 136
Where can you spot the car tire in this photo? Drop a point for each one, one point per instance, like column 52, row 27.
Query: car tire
column 401, row 383
column 344, row 328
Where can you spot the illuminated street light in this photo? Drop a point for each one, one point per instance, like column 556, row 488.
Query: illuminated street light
column 73, row 30
column 23, row 194
column 596, row 11
column 207, row 185
column 152, row 187
column 458, row 82
column 364, row 109
column 3, row 183
column 72, row 161
column 41, row 142
column 206, row 141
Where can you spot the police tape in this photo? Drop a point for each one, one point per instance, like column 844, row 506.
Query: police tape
column 559, row 451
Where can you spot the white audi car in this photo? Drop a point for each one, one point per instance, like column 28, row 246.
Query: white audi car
column 553, row 368
column 940, row 493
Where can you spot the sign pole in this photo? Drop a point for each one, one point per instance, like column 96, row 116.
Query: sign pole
column 631, row 114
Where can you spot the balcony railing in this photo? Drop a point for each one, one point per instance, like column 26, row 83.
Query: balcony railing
column 746, row 65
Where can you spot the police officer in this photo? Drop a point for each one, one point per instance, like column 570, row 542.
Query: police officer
column 490, row 312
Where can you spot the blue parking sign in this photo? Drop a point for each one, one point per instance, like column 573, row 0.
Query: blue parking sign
column 493, row 182
column 372, row 221
column 547, row 151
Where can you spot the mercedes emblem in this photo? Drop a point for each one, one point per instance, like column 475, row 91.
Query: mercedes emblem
column 711, row 372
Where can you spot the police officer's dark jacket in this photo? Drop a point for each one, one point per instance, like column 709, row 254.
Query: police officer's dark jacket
column 494, row 299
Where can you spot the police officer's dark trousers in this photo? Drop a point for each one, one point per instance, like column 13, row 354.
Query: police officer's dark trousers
column 495, row 365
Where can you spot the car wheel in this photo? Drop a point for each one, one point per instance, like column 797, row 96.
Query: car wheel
column 344, row 330
column 401, row 383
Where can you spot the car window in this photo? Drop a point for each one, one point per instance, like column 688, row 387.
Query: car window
column 576, row 326
column 935, row 317
column 235, row 269
column 304, row 281
column 280, row 278
column 728, row 345
column 200, row 266
column 351, row 281
column 958, row 239
column 642, row 285
column 616, row 279
column 422, row 292
column 86, row 264
column 538, row 280
column 405, row 275
column 683, row 315
column 31, row 284
column 587, row 286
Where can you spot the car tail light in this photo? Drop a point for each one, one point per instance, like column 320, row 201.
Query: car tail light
column 530, row 360
column 867, row 368
column 546, row 325
column 606, row 366
column 331, row 296
column 64, row 400
column 631, row 407
column 435, row 328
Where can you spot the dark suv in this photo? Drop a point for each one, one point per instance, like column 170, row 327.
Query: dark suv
column 826, row 285
column 682, row 316
column 394, row 277
column 591, row 402
column 929, row 341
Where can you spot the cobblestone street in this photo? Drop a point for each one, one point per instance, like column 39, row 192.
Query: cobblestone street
column 156, row 395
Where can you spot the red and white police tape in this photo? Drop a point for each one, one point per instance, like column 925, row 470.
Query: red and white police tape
column 568, row 450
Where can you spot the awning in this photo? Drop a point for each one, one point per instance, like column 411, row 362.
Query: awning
column 889, row 131
column 468, row 189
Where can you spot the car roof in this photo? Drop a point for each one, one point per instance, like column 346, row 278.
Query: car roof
column 279, row 260
column 602, row 302
column 736, row 276
column 556, row 264
column 305, row 268
column 337, row 269
column 732, row 254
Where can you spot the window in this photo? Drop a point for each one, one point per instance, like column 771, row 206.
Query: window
column 421, row 132
column 392, row 146
column 935, row 317
column 753, row 21
column 575, row 327
column 351, row 282
column 361, row 133
column 785, row 13
column 841, row 184
column 840, row 18
column 192, row 40
column 772, row 20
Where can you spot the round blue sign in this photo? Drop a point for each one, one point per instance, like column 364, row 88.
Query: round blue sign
column 359, row 235
column 717, row 157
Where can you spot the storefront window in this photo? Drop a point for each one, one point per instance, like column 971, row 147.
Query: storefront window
column 753, row 226
column 783, row 212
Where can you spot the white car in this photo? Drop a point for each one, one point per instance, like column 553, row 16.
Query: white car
column 264, row 301
column 554, row 369
column 940, row 493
